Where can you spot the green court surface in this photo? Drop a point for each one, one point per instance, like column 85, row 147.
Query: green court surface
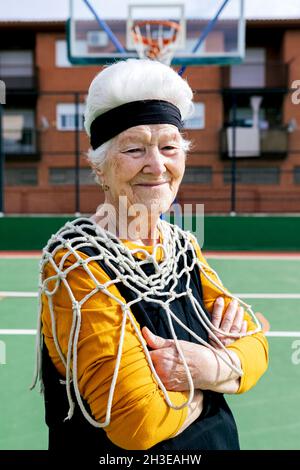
column 268, row 416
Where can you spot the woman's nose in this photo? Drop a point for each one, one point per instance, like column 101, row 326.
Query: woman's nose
column 155, row 161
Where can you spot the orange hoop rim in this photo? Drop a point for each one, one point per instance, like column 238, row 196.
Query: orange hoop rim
column 155, row 42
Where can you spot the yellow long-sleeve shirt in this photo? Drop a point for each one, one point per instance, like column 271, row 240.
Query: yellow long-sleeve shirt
column 138, row 404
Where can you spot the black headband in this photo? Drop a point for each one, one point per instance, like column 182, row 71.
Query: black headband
column 116, row 120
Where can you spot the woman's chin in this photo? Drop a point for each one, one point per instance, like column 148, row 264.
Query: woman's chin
column 160, row 193
column 160, row 204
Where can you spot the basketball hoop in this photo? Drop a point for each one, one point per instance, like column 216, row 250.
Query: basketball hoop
column 156, row 39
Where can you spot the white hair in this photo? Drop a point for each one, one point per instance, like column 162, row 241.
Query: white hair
column 133, row 80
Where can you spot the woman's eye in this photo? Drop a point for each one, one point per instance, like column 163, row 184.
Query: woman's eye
column 134, row 150
column 169, row 147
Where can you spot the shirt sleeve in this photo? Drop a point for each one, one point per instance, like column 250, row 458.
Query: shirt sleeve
column 253, row 351
column 140, row 415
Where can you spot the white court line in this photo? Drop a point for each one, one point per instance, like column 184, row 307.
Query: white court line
column 17, row 332
column 274, row 334
column 19, row 256
column 283, row 334
column 267, row 296
column 242, row 296
column 18, row 294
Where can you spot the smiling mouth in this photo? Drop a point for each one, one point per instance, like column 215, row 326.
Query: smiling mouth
column 152, row 184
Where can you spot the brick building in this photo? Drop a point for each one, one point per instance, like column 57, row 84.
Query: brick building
column 41, row 145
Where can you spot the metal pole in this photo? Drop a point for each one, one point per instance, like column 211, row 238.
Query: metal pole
column 77, row 157
column 1, row 167
column 208, row 28
column 233, row 158
column 103, row 25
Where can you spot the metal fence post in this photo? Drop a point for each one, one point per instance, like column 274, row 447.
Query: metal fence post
column 233, row 159
column 1, row 167
column 77, row 156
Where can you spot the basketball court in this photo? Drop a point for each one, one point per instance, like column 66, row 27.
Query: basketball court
column 268, row 416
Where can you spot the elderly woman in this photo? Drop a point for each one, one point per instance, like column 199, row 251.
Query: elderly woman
column 138, row 338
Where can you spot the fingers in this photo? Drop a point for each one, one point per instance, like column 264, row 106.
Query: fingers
column 231, row 321
column 163, row 358
column 217, row 312
column 154, row 341
column 244, row 327
column 238, row 321
column 229, row 316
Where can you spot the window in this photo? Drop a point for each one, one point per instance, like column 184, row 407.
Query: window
column 97, row 38
column 197, row 121
column 65, row 116
column 2, row 92
column 297, row 175
column 244, row 117
column 21, row 176
column 61, row 54
column 19, row 134
column 270, row 175
column 16, row 64
column 252, row 72
column 67, row 176
column 197, row 175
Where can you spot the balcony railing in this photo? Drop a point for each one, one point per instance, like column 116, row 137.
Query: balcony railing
column 256, row 75
column 19, row 76
column 22, row 142
column 247, row 142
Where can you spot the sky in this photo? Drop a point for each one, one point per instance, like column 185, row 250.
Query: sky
column 59, row 9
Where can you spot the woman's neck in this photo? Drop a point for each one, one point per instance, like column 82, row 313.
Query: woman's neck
column 138, row 230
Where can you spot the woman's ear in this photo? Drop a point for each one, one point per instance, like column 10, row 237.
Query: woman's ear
column 97, row 171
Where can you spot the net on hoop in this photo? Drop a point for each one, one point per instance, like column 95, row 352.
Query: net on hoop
column 156, row 39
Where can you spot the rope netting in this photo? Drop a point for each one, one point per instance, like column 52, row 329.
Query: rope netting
column 156, row 39
column 158, row 287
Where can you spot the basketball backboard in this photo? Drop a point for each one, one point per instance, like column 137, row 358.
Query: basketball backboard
column 211, row 31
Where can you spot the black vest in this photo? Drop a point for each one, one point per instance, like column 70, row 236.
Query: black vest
column 214, row 429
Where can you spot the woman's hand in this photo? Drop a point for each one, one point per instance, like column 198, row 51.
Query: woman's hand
column 232, row 321
column 169, row 365
column 207, row 370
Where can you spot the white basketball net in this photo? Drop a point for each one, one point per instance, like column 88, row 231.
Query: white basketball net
column 156, row 40
column 175, row 244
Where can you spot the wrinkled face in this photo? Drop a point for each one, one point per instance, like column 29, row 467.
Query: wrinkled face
column 145, row 163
